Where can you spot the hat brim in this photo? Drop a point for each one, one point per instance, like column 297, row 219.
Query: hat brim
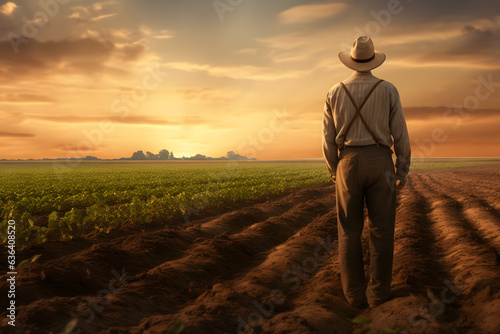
column 345, row 58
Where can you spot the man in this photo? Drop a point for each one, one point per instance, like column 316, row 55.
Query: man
column 362, row 119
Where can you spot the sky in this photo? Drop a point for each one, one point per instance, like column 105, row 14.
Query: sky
column 107, row 78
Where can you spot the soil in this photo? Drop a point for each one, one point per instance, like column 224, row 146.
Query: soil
column 271, row 266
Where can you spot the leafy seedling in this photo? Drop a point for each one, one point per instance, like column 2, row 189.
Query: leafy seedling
column 361, row 320
column 176, row 328
column 31, row 260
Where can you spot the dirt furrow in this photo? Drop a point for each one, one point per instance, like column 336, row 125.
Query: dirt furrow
column 317, row 305
column 471, row 261
column 263, row 291
column 482, row 185
column 163, row 288
column 477, row 213
column 482, row 232
column 137, row 253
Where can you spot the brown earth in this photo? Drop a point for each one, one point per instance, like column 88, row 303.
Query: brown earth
column 271, row 265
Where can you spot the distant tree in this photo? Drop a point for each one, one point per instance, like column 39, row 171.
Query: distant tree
column 233, row 156
column 139, row 155
column 171, row 157
column 163, row 154
column 199, row 157
column 151, row 156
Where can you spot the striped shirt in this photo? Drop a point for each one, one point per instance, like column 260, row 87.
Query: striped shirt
column 382, row 112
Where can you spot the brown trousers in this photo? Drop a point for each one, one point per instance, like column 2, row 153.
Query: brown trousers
column 366, row 173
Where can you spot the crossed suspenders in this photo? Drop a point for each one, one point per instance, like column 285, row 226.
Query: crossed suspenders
column 358, row 114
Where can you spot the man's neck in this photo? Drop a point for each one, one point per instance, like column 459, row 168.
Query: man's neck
column 362, row 72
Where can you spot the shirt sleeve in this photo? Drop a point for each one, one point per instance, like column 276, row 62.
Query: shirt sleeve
column 330, row 149
column 399, row 132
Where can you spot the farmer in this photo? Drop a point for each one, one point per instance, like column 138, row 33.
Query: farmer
column 362, row 119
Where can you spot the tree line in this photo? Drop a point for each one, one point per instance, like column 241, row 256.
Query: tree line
column 166, row 155
column 162, row 155
column 140, row 155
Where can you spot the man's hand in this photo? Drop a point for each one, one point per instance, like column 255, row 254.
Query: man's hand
column 400, row 184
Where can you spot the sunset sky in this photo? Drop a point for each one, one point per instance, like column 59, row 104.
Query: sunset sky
column 196, row 76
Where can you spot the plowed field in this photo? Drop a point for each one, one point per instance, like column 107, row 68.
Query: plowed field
column 271, row 266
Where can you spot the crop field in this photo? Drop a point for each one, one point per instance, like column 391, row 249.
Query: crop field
column 231, row 247
column 46, row 200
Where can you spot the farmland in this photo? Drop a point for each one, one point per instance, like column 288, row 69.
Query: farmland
column 64, row 203
column 50, row 202
column 230, row 264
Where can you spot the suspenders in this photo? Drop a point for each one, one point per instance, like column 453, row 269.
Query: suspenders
column 358, row 113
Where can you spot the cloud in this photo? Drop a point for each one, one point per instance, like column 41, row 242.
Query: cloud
column 452, row 43
column 204, row 94
column 99, row 6
column 16, row 135
column 7, row 8
column 77, row 150
column 84, row 56
column 129, row 120
column 247, row 72
column 433, row 113
column 92, row 12
column 121, row 33
column 102, row 17
column 246, row 51
column 470, row 137
column 133, row 35
column 311, row 12
column 145, row 30
column 482, row 32
column 444, row 60
column 163, row 34
column 91, row 34
column 25, row 98
column 465, row 44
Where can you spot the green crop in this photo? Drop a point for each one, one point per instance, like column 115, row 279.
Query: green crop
column 101, row 196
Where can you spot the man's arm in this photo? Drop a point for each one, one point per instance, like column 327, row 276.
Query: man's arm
column 401, row 138
column 330, row 153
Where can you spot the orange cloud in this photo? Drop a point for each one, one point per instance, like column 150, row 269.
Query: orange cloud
column 443, row 113
column 102, row 17
column 7, row 8
column 16, row 135
column 25, row 98
column 92, row 12
column 247, row 72
column 311, row 12
column 130, row 120
column 84, row 56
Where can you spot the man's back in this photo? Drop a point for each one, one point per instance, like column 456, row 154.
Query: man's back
column 382, row 113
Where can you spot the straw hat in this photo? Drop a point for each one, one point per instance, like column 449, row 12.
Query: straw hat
column 363, row 56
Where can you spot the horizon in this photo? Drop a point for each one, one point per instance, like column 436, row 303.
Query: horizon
column 98, row 77
column 187, row 159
